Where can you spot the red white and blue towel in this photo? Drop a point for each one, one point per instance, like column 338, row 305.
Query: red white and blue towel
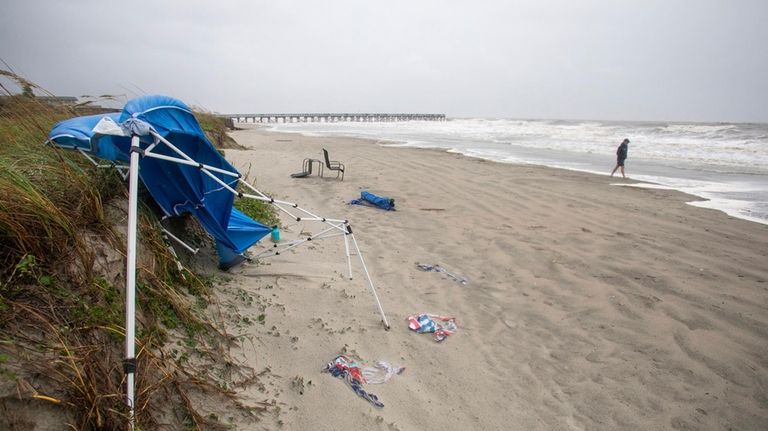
column 441, row 326
column 356, row 375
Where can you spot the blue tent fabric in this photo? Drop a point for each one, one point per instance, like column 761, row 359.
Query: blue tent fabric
column 78, row 133
column 241, row 228
column 176, row 188
column 367, row 198
column 241, row 231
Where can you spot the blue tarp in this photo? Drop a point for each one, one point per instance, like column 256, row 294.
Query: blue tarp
column 176, row 188
column 368, row 198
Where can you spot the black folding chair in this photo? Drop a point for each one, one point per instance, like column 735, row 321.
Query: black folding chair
column 333, row 165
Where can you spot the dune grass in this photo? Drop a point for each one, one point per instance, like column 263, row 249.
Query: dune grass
column 216, row 129
column 61, row 288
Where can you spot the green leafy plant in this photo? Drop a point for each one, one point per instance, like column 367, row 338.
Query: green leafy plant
column 262, row 212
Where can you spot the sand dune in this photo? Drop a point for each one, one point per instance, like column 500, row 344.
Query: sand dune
column 589, row 306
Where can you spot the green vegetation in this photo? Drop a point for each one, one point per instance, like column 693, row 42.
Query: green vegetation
column 61, row 287
column 260, row 211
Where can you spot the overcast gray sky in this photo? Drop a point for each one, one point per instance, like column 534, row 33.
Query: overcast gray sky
column 571, row 59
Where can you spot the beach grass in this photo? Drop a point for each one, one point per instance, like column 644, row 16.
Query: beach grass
column 61, row 298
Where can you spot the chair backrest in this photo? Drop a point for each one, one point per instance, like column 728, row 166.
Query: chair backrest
column 327, row 160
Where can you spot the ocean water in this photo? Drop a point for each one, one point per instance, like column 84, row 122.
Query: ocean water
column 725, row 164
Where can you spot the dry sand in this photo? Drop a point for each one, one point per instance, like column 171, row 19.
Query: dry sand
column 589, row 306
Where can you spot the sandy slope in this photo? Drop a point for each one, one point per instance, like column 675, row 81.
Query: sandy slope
column 589, row 306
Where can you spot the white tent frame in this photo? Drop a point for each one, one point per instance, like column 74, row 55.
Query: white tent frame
column 336, row 227
column 121, row 169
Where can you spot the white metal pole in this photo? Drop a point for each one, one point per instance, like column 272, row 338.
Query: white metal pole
column 294, row 244
column 349, row 259
column 129, row 363
column 178, row 240
column 368, row 277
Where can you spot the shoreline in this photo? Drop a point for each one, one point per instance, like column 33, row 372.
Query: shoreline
column 696, row 200
column 588, row 305
column 724, row 190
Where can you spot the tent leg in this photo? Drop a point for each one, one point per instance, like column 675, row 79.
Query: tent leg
column 129, row 363
column 349, row 259
column 368, row 277
column 182, row 243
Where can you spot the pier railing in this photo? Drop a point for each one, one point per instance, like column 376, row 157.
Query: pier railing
column 329, row 118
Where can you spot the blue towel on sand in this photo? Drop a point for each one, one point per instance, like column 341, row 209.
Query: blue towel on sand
column 367, row 198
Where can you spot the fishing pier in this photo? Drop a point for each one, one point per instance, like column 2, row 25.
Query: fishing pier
column 329, row 118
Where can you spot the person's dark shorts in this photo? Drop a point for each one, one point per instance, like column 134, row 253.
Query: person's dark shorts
column 620, row 162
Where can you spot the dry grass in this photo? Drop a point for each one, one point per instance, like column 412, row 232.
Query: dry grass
column 61, row 318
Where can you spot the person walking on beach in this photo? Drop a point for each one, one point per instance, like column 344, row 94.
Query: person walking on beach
column 621, row 155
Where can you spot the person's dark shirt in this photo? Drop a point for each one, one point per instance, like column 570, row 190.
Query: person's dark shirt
column 622, row 151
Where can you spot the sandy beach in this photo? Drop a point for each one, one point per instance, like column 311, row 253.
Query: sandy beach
column 588, row 305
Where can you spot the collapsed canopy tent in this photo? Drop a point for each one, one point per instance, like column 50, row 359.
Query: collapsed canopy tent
column 177, row 188
column 164, row 145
